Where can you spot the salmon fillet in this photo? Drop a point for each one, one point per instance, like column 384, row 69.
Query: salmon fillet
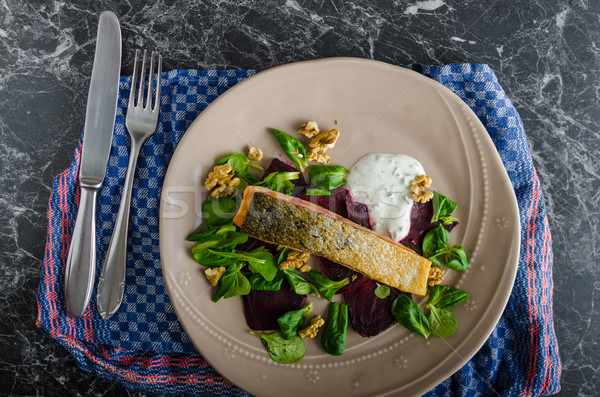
column 280, row 219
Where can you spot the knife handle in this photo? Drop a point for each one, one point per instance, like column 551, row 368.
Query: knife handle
column 111, row 285
column 81, row 261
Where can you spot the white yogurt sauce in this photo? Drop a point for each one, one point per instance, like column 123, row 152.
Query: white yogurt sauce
column 381, row 181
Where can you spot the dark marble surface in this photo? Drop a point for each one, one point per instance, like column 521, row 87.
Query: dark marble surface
column 545, row 53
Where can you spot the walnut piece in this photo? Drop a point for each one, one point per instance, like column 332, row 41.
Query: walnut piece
column 435, row 275
column 418, row 187
column 318, row 157
column 254, row 153
column 221, row 179
column 213, row 274
column 312, row 330
column 296, row 260
column 320, row 143
column 324, row 140
column 309, row 129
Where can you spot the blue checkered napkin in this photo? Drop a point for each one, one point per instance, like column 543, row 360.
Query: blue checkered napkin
column 143, row 346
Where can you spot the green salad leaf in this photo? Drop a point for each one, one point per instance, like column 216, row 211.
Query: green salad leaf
column 280, row 181
column 219, row 211
column 333, row 339
column 317, row 192
column 291, row 321
column 283, row 253
column 443, row 296
column 267, row 268
column 240, row 164
column 258, row 282
column 326, row 287
column 407, row 313
column 382, row 291
column 207, row 258
column 456, row 258
column 442, row 322
column 232, row 283
column 227, row 243
column 212, row 233
column 326, row 178
column 443, row 208
column 211, row 243
column 435, row 244
column 294, row 149
column 299, row 284
column 282, row 350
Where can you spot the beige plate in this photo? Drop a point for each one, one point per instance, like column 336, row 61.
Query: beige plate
column 380, row 108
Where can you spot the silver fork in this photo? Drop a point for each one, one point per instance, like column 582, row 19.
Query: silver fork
column 141, row 121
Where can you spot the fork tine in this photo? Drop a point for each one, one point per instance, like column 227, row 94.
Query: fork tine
column 142, row 81
column 134, row 80
column 158, row 82
column 150, row 77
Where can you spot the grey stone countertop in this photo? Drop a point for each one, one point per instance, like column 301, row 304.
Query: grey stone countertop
column 545, row 53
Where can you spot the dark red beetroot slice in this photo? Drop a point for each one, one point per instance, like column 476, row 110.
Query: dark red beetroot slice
column 337, row 272
column 279, row 166
column 369, row 314
column 420, row 224
column 335, row 202
column 263, row 308
column 358, row 212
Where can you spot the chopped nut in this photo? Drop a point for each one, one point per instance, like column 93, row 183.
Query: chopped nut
column 312, row 330
column 418, row 187
column 435, row 275
column 309, row 129
column 324, row 140
column 305, row 268
column 221, row 178
column 318, row 157
column 422, row 197
column 423, row 181
column 296, row 260
column 213, row 274
column 254, row 153
column 320, row 143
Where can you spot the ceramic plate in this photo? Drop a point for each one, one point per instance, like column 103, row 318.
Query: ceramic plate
column 379, row 108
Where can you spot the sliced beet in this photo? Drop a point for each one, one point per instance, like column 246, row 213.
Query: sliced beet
column 337, row 272
column 420, row 224
column 369, row 314
column 358, row 212
column 335, row 202
column 263, row 308
column 279, row 166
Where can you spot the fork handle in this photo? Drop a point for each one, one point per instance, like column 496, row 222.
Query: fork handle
column 81, row 260
column 111, row 284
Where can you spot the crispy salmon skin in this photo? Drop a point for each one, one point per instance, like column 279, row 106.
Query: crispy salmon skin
column 280, row 219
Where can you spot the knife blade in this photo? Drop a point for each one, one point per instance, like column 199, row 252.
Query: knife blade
column 97, row 138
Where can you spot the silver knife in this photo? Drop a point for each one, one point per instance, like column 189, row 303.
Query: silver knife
column 97, row 138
